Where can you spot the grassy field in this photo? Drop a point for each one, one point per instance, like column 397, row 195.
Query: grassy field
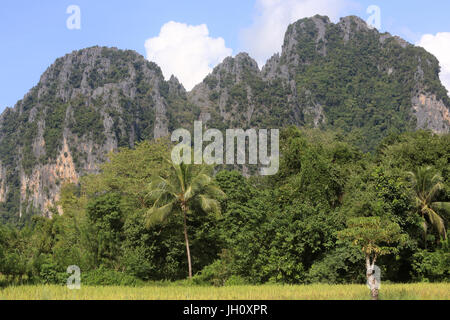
column 267, row 292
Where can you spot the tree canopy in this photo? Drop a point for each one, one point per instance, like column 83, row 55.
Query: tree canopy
column 299, row 226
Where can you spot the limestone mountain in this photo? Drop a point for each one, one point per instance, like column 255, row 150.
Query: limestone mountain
column 87, row 104
column 344, row 76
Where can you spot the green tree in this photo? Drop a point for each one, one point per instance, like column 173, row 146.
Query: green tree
column 375, row 237
column 427, row 184
column 432, row 266
column 186, row 187
column 105, row 214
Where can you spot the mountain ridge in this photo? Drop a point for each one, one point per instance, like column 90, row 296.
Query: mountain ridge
column 343, row 76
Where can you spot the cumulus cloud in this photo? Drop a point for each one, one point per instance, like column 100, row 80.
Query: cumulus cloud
column 186, row 51
column 265, row 36
column 439, row 45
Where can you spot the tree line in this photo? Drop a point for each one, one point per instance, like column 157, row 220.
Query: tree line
column 331, row 211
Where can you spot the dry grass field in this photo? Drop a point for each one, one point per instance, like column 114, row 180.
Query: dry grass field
column 420, row 291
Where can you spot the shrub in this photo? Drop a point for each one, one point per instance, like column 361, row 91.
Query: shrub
column 217, row 273
column 432, row 266
column 105, row 277
column 339, row 266
column 50, row 273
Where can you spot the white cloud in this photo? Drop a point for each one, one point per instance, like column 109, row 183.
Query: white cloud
column 186, row 51
column 265, row 36
column 439, row 45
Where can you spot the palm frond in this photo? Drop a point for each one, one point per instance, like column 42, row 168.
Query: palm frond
column 435, row 187
column 418, row 202
column 160, row 188
column 209, row 205
column 441, row 206
column 215, row 192
column 157, row 215
column 200, row 181
column 179, row 175
column 160, row 183
column 436, row 221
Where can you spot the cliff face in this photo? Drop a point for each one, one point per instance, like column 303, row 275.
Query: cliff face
column 342, row 76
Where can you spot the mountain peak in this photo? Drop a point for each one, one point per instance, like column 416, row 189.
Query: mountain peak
column 237, row 64
column 360, row 23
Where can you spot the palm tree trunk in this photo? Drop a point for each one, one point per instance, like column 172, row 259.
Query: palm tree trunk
column 186, row 239
column 424, row 231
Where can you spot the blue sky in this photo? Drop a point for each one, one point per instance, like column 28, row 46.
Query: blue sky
column 34, row 33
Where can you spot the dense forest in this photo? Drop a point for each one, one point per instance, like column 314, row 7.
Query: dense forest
column 297, row 227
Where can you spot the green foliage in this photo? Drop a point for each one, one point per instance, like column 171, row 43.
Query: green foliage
column 218, row 273
column 107, row 277
column 156, row 253
column 281, row 229
column 427, row 185
column 50, row 274
column 373, row 235
column 54, row 125
column 341, row 265
column 105, row 214
column 88, row 121
column 432, row 266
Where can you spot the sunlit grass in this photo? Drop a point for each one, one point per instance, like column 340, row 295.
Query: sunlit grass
column 421, row 291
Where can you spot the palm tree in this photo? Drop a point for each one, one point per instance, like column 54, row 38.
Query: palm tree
column 185, row 186
column 426, row 186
